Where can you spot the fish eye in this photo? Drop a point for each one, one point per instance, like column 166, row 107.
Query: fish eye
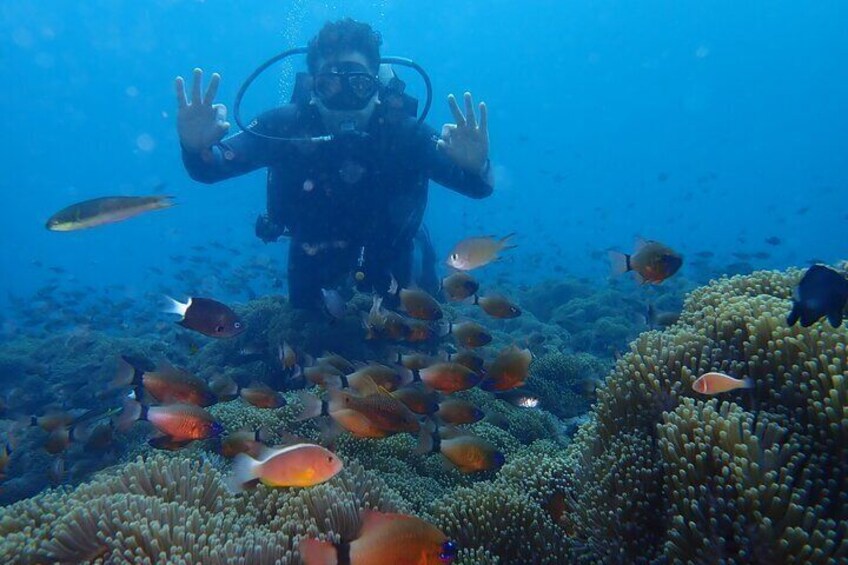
column 330, row 459
column 237, row 325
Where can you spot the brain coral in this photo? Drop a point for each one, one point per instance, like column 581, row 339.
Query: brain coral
column 753, row 476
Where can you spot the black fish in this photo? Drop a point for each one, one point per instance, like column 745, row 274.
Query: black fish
column 208, row 317
column 821, row 292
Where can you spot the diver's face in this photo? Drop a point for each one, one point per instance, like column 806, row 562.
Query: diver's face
column 345, row 88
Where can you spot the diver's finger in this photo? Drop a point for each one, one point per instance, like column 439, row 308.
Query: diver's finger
column 212, row 89
column 484, row 118
column 195, row 87
column 447, row 131
column 469, row 110
column 179, row 87
column 457, row 113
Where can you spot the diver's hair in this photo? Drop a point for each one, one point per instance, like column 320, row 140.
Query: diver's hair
column 341, row 36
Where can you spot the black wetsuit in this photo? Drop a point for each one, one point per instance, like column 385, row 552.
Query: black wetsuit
column 342, row 201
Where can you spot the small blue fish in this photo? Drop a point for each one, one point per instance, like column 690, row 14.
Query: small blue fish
column 821, row 292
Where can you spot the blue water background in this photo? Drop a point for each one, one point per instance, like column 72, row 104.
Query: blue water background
column 742, row 105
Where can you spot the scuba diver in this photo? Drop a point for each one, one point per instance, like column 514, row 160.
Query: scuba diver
column 348, row 163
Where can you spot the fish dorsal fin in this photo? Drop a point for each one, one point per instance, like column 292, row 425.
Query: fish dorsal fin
column 450, row 432
column 374, row 520
column 640, row 244
column 367, row 387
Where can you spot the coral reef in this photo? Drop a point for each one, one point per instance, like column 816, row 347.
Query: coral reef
column 565, row 382
column 178, row 510
column 753, row 476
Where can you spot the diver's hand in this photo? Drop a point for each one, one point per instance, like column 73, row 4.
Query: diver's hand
column 466, row 142
column 200, row 124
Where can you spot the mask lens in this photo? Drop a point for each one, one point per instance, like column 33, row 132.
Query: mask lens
column 361, row 84
column 328, row 85
column 345, row 91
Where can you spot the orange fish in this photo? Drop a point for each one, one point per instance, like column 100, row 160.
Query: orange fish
column 716, row 383
column 336, row 361
column 51, row 420
column 469, row 359
column 498, row 306
column 389, row 378
column 180, row 423
column 455, row 411
column 449, row 377
column 262, row 396
column 651, row 262
column 469, row 334
column 223, row 387
column 324, row 375
column 468, row 453
column 385, row 539
column 380, row 323
column 414, row 361
column 375, row 416
column 301, row 465
column 384, row 410
column 418, row 398
column 419, row 332
column 459, row 286
column 166, row 384
column 509, row 369
column 476, row 252
column 420, row 305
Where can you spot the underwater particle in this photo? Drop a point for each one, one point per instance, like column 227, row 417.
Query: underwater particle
column 702, row 52
column 131, row 91
column 145, row 142
column 301, row 465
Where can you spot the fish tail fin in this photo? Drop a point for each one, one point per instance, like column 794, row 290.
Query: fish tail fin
column 406, row 376
column 394, row 287
column 793, row 316
column 444, row 328
column 244, row 471
column 132, row 412
column 505, row 243
column 127, row 374
column 316, row 552
column 747, row 382
column 619, row 262
column 312, row 406
column 176, row 307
